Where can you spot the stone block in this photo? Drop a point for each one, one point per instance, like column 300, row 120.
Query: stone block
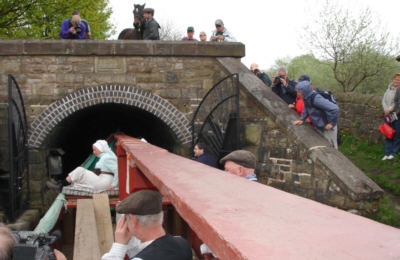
column 36, row 156
column 253, row 134
column 168, row 93
column 305, row 180
column 110, row 64
column 336, row 200
column 37, row 171
column 36, row 186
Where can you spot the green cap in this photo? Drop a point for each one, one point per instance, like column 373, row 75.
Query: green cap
column 190, row 29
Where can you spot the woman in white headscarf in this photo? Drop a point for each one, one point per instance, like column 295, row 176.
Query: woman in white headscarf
column 105, row 174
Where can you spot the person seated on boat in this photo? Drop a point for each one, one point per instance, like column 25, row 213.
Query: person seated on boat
column 143, row 219
column 105, row 174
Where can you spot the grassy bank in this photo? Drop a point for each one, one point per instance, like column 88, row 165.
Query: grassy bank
column 385, row 173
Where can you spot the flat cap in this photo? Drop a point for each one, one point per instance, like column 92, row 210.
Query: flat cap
column 241, row 157
column 144, row 202
column 148, row 10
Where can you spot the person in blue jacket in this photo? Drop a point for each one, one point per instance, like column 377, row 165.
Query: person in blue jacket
column 323, row 113
column 73, row 28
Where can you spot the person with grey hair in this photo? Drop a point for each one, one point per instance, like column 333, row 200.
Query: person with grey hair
column 7, row 242
column 284, row 87
column 142, row 221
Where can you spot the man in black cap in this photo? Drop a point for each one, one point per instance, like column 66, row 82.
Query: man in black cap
column 142, row 219
column 150, row 25
column 241, row 163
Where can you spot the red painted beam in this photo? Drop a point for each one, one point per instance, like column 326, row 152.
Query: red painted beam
column 240, row 219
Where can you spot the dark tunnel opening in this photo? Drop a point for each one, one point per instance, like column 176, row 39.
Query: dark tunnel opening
column 76, row 134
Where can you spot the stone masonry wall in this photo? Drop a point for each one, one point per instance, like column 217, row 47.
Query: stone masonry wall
column 361, row 115
column 296, row 158
column 58, row 78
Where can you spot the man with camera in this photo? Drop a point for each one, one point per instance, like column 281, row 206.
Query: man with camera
column 261, row 75
column 284, row 87
column 74, row 28
column 221, row 34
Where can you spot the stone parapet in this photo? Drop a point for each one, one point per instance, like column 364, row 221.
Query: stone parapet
column 120, row 48
column 297, row 159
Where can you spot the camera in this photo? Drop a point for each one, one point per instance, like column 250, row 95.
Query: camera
column 256, row 71
column 32, row 245
column 77, row 27
column 277, row 81
column 398, row 58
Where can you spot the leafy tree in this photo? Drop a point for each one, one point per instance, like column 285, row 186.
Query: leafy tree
column 357, row 50
column 42, row 19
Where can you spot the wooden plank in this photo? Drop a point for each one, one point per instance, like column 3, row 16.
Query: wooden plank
column 86, row 246
column 241, row 219
column 103, row 222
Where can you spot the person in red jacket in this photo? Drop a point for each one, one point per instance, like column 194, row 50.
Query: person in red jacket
column 299, row 103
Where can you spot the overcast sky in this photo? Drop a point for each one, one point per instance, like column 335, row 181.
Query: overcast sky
column 269, row 29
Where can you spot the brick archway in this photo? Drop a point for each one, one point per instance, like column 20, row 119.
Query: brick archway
column 84, row 98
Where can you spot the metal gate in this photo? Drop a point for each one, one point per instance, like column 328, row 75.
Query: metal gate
column 216, row 120
column 17, row 151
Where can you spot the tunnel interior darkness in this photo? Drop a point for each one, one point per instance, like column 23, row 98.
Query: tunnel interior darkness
column 76, row 133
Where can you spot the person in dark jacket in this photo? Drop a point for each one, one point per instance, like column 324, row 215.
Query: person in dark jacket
column 150, row 25
column 323, row 113
column 284, row 87
column 261, row 75
column 202, row 157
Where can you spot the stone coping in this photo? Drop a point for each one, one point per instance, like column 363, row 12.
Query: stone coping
column 355, row 183
column 120, row 48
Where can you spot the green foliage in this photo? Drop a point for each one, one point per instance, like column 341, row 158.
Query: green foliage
column 322, row 75
column 387, row 213
column 356, row 50
column 43, row 18
column 384, row 173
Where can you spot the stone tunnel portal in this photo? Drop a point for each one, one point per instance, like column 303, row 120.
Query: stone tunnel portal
column 76, row 133
column 76, row 121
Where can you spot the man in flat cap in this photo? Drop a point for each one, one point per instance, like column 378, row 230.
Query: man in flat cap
column 221, row 34
column 150, row 25
column 241, row 163
column 142, row 220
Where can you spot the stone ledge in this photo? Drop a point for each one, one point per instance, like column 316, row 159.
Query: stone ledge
column 355, row 183
column 120, row 48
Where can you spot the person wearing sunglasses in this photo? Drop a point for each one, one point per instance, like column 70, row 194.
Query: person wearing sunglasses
column 221, row 34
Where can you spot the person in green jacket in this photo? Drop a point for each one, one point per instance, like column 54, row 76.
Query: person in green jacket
column 151, row 26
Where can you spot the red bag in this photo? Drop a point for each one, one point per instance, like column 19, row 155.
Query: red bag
column 387, row 130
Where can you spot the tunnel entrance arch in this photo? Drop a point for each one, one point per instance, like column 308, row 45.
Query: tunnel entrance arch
column 76, row 121
column 100, row 95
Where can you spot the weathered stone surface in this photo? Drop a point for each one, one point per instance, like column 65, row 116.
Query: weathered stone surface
column 253, row 134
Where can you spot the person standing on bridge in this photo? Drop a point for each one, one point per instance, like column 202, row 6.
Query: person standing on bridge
column 190, row 35
column 221, row 34
column 75, row 28
column 143, row 217
column 151, row 26
column 7, row 242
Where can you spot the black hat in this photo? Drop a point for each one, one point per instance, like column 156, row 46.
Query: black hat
column 241, row 157
column 144, row 202
column 75, row 12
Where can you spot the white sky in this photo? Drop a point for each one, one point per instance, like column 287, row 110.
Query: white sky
column 269, row 29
